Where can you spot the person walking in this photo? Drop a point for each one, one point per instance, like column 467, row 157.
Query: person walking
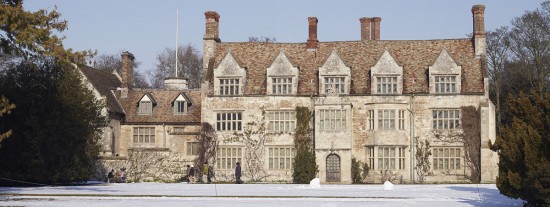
column 210, row 173
column 205, row 172
column 191, row 174
column 238, row 173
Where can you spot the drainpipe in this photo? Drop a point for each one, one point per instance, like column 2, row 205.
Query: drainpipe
column 164, row 135
column 411, row 106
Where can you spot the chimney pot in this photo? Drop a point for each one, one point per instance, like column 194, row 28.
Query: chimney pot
column 312, row 38
column 365, row 28
column 375, row 27
column 212, row 26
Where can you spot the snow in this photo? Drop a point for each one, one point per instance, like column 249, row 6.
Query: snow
column 388, row 185
column 212, row 195
column 315, row 183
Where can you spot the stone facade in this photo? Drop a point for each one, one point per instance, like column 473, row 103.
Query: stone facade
column 370, row 98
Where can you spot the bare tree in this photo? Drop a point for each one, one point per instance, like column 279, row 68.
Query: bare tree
column 110, row 62
column 189, row 66
column 530, row 45
column 422, row 155
column 497, row 57
column 208, row 144
column 262, row 39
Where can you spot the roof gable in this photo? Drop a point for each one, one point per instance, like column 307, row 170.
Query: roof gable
column 281, row 65
column 386, row 65
column 444, row 64
column 147, row 97
column 334, row 65
column 229, row 67
column 183, row 97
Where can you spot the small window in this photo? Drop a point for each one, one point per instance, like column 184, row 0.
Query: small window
column 401, row 119
column 445, row 84
column 281, row 86
column 370, row 119
column 446, row 119
column 192, row 148
column 145, row 108
column 229, row 87
column 180, row 107
column 335, row 84
column 386, row 85
column 144, row 135
column 229, row 121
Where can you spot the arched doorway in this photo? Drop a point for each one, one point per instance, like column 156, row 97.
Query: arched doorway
column 333, row 168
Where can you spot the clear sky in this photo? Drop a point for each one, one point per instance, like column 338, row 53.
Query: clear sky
column 145, row 28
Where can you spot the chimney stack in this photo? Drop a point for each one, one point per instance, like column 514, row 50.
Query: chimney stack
column 375, row 26
column 478, row 14
column 127, row 69
column 312, row 38
column 212, row 26
column 365, row 28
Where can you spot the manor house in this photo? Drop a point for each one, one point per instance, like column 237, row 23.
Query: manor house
column 373, row 100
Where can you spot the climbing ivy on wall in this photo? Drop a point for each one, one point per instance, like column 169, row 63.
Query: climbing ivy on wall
column 305, row 168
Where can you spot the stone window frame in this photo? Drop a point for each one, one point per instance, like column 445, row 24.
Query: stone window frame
column 229, row 68
column 334, row 67
column 233, row 89
column 147, row 135
column 378, row 160
column 442, row 160
column 227, row 156
column 374, row 121
column 180, row 107
column 445, row 66
column 277, row 87
column 231, row 123
column 442, row 116
column 445, row 84
column 288, row 125
column 386, row 67
column 286, row 159
column 332, row 87
column 390, row 87
column 145, row 105
column 342, row 120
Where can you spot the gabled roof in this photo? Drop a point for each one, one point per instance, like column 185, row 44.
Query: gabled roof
column 104, row 82
column 415, row 56
column 187, row 99
column 149, row 96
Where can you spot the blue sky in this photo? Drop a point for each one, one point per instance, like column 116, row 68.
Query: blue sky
column 146, row 28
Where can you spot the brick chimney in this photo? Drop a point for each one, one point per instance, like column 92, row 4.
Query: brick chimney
column 312, row 40
column 478, row 14
column 365, row 28
column 375, row 27
column 212, row 26
column 127, row 72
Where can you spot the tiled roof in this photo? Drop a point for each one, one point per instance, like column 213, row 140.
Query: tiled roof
column 162, row 111
column 104, row 82
column 415, row 56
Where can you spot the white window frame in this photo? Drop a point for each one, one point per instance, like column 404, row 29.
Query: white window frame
column 336, row 83
column 145, row 108
column 446, row 119
column 143, row 135
column 386, row 119
column 226, row 157
column 333, row 120
column 281, row 121
column 387, row 85
column 180, row 107
column 229, row 121
column 229, row 86
column 445, row 84
column 447, row 158
column 281, row 85
column 281, row 158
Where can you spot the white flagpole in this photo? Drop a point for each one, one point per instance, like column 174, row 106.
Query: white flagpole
column 177, row 34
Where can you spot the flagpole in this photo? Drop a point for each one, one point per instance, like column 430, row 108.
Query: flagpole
column 177, row 39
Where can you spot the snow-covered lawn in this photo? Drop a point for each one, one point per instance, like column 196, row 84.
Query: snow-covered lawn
column 287, row 195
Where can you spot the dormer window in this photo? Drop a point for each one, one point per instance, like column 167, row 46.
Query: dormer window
column 386, row 76
column 334, row 76
column 335, row 84
column 445, row 75
column 145, row 105
column 282, row 76
column 445, row 84
column 181, row 104
column 229, row 77
column 229, row 86
column 386, row 85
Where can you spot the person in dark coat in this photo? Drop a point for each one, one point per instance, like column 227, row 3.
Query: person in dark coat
column 111, row 176
column 191, row 174
column 238, row 173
